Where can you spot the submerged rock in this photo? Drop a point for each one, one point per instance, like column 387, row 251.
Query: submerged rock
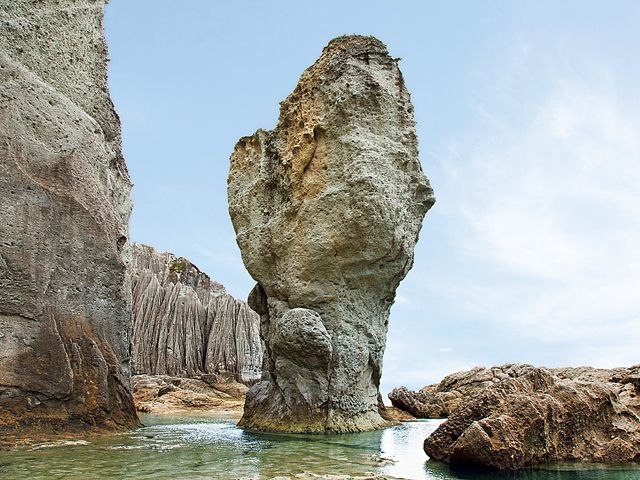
column 315, row 476
column 186, row 324
column 65, row 295
column 327, row 208
column 538, row 417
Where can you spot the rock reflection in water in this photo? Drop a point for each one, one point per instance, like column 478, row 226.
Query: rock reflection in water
column 403, row 444
column 588, row 471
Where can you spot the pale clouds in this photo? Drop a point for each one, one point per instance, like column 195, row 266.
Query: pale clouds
column 428, row 365
column 561, row 196
column 554, row 203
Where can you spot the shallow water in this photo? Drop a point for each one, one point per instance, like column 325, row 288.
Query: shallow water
column 203, row 446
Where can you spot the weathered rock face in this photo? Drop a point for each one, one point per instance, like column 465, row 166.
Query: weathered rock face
column 187, row 324
column 439, row 400
column 421, row 404
column 65, row 307
column 327, row 208
column 539, row 417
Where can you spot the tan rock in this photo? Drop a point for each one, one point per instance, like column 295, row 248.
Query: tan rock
column 439, row 400
column 169, row 394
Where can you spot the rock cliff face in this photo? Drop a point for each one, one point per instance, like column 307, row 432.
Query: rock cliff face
column 65, row 202
column 187, row 324
column 541, row 416
column 327, row 208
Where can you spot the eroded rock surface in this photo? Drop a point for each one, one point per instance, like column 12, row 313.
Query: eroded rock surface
column 65, row 295
column 186, row 324
column 540, row 417
column 327, row 208
column 440, row 399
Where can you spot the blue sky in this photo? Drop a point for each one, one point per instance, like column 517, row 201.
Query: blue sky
column 529, row 124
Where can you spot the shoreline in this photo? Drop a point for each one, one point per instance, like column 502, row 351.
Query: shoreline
column 232, row 409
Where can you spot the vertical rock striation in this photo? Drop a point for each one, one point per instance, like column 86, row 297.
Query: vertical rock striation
column 327, row 208
column 65, row 298
column 186, row 324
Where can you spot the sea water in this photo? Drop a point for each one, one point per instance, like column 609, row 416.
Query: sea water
column 205, row 446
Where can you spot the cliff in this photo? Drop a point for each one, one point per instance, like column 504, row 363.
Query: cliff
column 185, row 324
column 65, row 294
column 327, row 208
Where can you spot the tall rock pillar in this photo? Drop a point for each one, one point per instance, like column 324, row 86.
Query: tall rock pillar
column 65, row 202
column 327, row 208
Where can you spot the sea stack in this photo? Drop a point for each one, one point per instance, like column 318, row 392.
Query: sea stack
column 65, row 294
column 327, row 208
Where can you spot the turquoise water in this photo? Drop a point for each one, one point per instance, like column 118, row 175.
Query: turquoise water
column 201, row 446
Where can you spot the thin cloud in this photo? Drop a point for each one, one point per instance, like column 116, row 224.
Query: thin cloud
column 556, row 206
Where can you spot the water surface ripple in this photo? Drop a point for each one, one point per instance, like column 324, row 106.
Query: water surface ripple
column 205, row 446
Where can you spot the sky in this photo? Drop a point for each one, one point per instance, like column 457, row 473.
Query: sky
column 528, row 116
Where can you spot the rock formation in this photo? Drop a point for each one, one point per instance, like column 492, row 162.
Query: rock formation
column 424, row 403
column 186, row 324
column 166, row 394
column 440, row 399
column 327, row 208
column 65, row 295
column 538, row 417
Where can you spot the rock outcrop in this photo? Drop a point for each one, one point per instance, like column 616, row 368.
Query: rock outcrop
column 327, row 208
column 440, row 399
column 167, row 394
column 186, row 324
column 65, row 295
column 538, row 417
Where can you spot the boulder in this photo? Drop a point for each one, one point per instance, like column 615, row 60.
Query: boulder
column 327, row 208
column 393, row 414
column 186, row 324
column 538, row 417
column 65, row 294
